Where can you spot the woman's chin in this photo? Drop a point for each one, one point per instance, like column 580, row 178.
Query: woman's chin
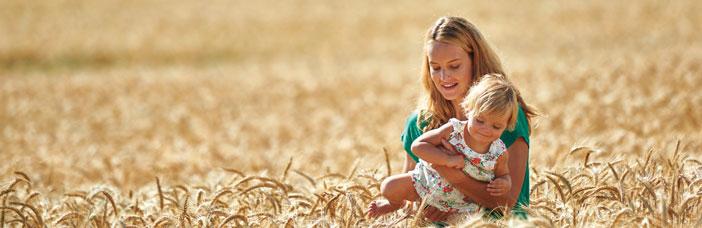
column 451, row 94
column 455, row 99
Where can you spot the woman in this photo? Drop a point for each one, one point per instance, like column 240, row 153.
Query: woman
column 455, row 56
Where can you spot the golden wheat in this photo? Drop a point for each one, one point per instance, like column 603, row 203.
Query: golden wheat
column 221, row 101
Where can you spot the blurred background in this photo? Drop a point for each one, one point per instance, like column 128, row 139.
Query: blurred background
column 119, row 92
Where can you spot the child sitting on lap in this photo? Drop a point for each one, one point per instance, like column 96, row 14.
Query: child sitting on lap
column 491, row 107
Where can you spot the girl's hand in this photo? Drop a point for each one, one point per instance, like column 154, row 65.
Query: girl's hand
column 499, row 186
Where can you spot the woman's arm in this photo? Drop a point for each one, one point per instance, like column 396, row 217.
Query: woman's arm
column 427, row 148
column 479, row 192
column 409, row 164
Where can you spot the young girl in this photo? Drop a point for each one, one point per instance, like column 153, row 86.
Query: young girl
column 491, row 107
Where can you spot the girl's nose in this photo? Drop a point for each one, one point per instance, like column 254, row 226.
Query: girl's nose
column 484, row 129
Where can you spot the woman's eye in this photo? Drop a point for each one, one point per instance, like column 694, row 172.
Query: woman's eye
column 479, row 121
column 495, row 127
column 455, row 67
column 435, row 68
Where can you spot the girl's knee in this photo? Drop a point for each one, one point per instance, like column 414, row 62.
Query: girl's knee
column 386, row 186
column 394, row 186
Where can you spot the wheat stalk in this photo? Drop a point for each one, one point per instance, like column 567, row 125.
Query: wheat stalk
column 35, row 212
column 160, row 195
column 64, row 218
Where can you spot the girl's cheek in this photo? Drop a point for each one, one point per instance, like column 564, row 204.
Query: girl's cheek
column 495, row 132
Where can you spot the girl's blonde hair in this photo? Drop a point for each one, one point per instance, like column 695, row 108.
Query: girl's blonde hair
column 433, row 108
column 492, row 95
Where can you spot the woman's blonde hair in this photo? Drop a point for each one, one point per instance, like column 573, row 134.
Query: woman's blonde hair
column 433, row 108
column 492, row 95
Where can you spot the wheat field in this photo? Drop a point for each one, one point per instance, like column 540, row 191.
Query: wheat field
column 272, row 113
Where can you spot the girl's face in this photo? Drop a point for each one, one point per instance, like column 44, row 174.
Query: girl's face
column 486, row 128
column 450, row 69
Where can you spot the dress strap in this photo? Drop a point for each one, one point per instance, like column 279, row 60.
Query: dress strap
column 497, row 148
column 457, row 126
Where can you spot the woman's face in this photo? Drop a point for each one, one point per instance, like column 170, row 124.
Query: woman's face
column 450, row 69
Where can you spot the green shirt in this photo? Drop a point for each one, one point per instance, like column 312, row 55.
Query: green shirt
column 413, row 131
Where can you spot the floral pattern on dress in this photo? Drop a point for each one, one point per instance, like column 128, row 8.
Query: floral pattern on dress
column 438, row 192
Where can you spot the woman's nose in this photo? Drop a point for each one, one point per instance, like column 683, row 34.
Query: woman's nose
column 443, row 74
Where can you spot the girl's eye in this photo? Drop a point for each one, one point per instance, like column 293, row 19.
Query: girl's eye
column 435, row 68
column 479, row 121
column 455, row 67
column 495, row 127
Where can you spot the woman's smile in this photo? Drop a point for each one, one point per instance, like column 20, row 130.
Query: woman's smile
column 449, row 85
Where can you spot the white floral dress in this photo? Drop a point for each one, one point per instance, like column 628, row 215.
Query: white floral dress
column 438, row 192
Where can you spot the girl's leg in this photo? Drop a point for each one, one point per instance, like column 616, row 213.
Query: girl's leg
column 396, row 189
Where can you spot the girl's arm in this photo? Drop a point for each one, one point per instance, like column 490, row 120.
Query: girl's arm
column 426, row 147
column 502, row 182
column 479, row 192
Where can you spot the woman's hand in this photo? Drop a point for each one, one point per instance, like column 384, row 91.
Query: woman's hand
column 455, row 161
column 447, row 148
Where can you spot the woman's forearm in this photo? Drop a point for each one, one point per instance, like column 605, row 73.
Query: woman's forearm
column 473, row 189
column 409, row 164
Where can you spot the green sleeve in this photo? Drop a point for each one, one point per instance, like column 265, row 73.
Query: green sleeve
column 410, row 133
column 520, row 130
